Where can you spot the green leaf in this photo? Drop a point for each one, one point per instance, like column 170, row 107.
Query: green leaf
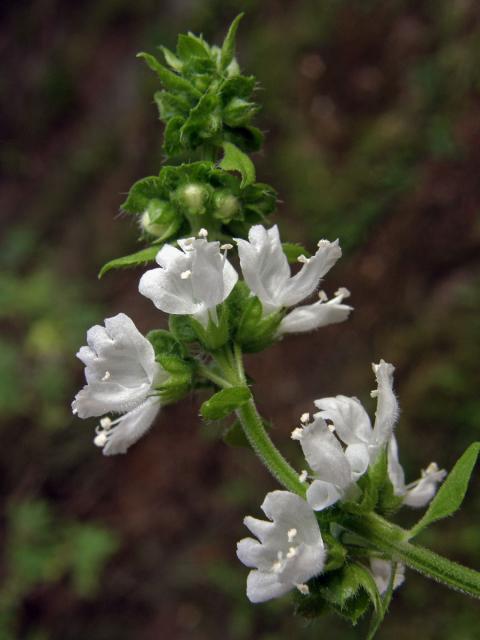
column 228, row 46
column 164, row 342
column 204, row 120
column 172, row 60
column 236, row 160
column 294, row 250
column 189, row 46
column 141, row 193
column 221, row 404
column 170, row 80
column 451, row 494
column 171, row 135
column 144, row 256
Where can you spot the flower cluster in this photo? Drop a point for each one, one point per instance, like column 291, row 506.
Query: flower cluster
column 194, row 280
column 340, row 446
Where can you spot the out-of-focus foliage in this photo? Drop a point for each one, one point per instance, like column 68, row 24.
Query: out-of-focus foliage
column 370, row 110
column 40, row 549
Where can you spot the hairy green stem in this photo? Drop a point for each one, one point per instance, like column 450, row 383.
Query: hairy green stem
column 265, row 449
column 231, row 365
column 393, row 541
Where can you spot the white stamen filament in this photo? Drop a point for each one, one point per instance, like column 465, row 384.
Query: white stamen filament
column 203, row 233
column 292, row 552
column 303, row 476
column 303, row 259
column 185, row 274
column 322, row 296
column 106, row 376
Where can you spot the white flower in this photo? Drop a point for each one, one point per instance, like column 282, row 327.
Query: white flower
column 351, row 421
column 335, row 469
column 382, row 574
column 416, row 494
column 121, row 372
column 316, row 315
column 267, row 272
column 191, row 280
column 289, row 550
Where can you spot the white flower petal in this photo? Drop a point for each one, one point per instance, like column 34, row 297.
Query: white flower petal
column 321, row 495
column 213, row 277
column 191, row 281
column 120, row 368
column 358, row 458
column 325, row 455
column 350, row 419
column 307, row 279
column 387, row 411
column 424, row 489
column 169, row 292
column 382, row 574
column 253, row 554
column 264, row 265
column 289, row 511
column 395, row 469
column 131, row 427
column 263, row 586
column 313, row 316
column 307, row 562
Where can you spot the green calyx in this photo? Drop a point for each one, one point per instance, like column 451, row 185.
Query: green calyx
column 205, row 99
column 176, row 362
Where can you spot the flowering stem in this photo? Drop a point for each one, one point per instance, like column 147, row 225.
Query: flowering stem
column 265, row 449
column 231, row 366
column 211, row 375
column 393, row 541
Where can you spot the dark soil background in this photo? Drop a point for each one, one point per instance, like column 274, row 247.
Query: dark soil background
column 372, row 114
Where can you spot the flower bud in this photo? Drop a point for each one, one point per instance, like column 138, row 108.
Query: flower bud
column 226, row 205
column 159, row 218
column 194, row 197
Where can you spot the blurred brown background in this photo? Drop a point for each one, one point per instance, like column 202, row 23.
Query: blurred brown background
column 372, row 113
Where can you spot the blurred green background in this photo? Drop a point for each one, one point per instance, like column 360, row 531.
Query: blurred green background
column 372, row 114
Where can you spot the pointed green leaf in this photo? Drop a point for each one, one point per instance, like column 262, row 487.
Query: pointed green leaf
column 236, row 160
column 170, row 80
column 189, row 46
column 451, row 494
column 221, row 404
column 171, row 59
column 144, row 256
column 228, row 47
